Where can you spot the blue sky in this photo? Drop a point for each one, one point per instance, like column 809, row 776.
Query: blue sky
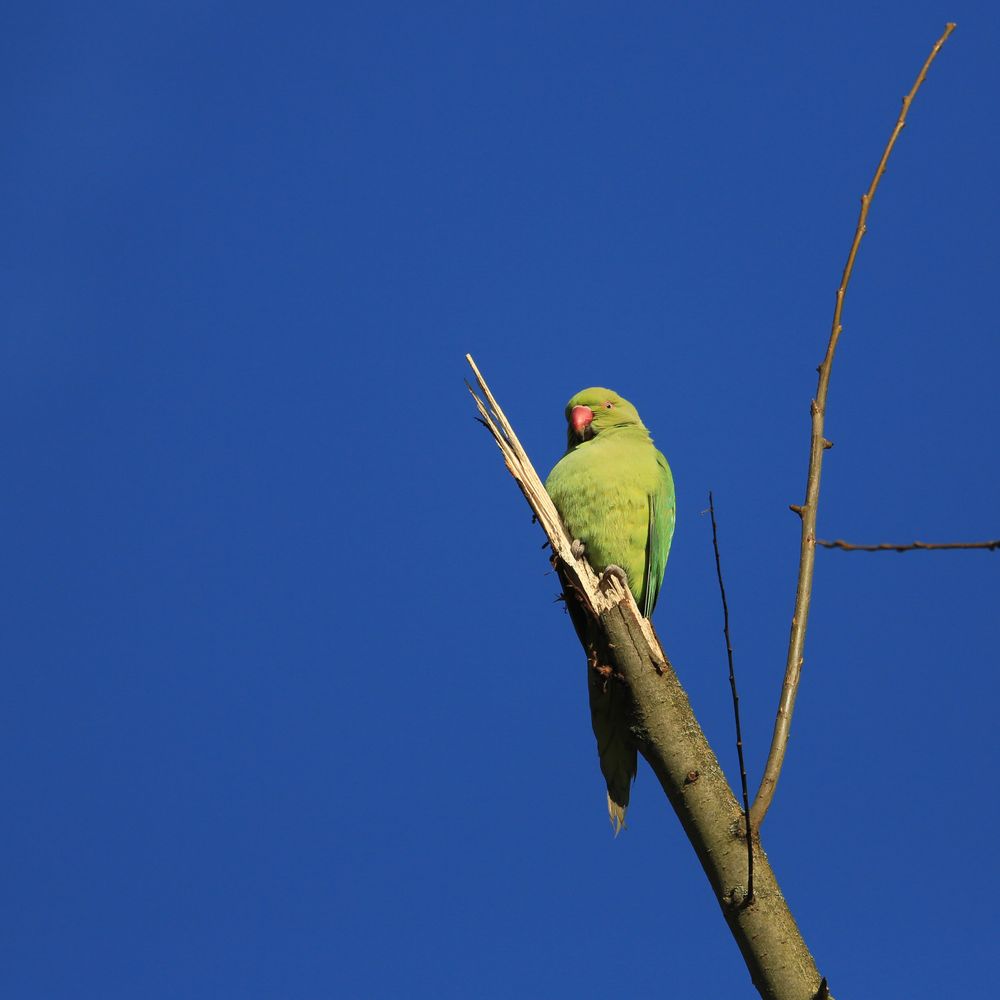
column 289, row 709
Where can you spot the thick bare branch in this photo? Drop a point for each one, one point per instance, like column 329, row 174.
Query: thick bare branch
column 808, row 509
column 622, row 646
column 839, row 543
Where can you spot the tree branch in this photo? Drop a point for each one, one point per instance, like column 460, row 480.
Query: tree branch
column 818, row 445
column 991, row 546
column 736, row 698
column 622, row 646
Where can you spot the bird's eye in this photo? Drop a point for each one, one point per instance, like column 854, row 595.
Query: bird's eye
column 609, row 405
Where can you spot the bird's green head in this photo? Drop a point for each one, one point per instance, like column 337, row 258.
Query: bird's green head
column 594, row 410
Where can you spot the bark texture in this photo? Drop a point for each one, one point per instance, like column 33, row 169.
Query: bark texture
column 668, row 736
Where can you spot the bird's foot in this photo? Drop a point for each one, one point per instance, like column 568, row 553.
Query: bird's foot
column 577, row 548
column 614, row 571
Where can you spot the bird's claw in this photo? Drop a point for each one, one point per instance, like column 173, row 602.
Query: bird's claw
column 577, row 548
column 614, row 571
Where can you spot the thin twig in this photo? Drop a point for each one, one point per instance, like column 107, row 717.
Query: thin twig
column 908, row 546
column 736, row 701
column 818, row 445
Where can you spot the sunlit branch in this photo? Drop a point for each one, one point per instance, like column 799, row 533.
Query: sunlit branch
column 808, row 509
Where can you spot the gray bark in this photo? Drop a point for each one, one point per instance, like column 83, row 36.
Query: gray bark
column 668, row 736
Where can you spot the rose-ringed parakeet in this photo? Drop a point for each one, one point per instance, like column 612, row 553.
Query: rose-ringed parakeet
column 615, row 495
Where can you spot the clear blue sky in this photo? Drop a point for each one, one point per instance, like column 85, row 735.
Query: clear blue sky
column 289, row 710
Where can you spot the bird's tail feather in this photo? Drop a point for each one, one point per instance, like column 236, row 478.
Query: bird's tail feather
column 609, row 715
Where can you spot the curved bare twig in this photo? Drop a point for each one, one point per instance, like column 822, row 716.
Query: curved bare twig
column 818, row 445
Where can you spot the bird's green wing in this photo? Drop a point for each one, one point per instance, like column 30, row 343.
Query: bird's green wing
column 662, row 516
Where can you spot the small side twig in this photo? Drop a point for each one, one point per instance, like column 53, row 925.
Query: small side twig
column 736, row 700
column 817, row 448
column 991, row 546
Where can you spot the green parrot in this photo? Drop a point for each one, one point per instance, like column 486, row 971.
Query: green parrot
column 615, row 495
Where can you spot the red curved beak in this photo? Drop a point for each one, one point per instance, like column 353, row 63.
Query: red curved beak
column 581, row 418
